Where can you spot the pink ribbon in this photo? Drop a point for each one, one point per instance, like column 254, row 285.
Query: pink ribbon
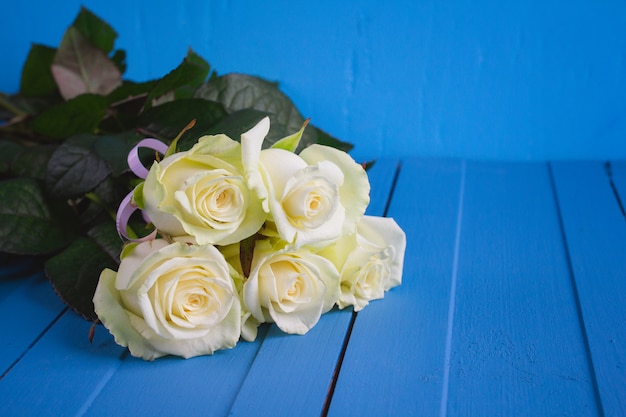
column 127, row 207
column 135, row 164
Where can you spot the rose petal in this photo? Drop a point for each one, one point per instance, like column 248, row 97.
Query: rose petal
column 354, row 193
column 251, row 144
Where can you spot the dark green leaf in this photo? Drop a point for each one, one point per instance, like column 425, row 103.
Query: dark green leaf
column 80, row 67
column 28, row 223
column 79, row 115
column 31, row 163
column 126, row 103
column 74, row 274
column 237, row 123
column 37, row 79
column 119, row 59
column 35, row 105
column 239, row 91
column 109, row 193
column 99, row 33
column 130, row 90
column 324, row 138
column 8, row 152
column 182, row 81
column 106, row 237
column 75, row 168
column 114, row 150
column 167, row 120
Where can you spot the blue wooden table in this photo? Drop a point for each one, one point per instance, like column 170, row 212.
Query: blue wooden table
column 513, row 304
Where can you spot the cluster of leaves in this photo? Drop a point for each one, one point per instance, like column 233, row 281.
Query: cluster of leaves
column 65, row 137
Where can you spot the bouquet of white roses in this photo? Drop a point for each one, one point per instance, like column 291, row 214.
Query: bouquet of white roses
column 244, row 235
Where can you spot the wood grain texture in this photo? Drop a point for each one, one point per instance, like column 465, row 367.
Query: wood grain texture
column 394, row 361
column 291, row 374
column 513, row 303
column 27, row 305
column 171, row 386
column 517, row 348
column 61, row 372
column 596, row 239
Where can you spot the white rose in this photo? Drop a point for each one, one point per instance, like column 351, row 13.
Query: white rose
column 202, row 193
column 170, row 299
column 318, row 195
column 370, row 261
column 290, row 287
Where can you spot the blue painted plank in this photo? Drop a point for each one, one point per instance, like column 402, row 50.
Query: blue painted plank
column 595, row 231
column 171, row 386
column 394, row 361
column 311, row 359
column 28, row 305
column 13, row 270
column 618, row 176
column 61, row 372
column 516, row 343
column 64, row 375
column 291, row 374
column 101, row 378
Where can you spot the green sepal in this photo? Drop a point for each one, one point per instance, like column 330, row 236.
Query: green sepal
column 138, row 196
column 290, row 143
column 127, row 249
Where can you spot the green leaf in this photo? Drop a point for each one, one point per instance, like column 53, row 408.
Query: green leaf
column 29, row 224
column 324, row 138
column 96, row 30
column 240, row 91
column 75, row 168
column 114, row 150
column 182, row 81
column 8, row 152
column 75, row 272
column 32, row 161
column 34, row 105
column 102, row 203
column 79, row 115
column 129, row 90
column 237, row 123
column 80, row 67
column 37, row 79
column 126, row 103
column 106, row 237
column 167, row 120
column 119, row 59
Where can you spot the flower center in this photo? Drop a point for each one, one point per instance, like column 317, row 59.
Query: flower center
column 311, row 204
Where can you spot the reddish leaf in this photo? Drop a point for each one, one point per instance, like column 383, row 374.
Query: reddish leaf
column 80, row 67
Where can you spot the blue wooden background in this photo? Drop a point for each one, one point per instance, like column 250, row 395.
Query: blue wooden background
column 518, row 80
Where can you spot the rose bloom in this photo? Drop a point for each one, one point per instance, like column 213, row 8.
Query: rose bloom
column 370, row 261
column 170, row 299
column 201, row 195
column 317, row 195
column 290, row 287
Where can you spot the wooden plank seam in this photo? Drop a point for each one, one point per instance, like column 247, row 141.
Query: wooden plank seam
column 451, row 306
column 33, row 343
column 579, row 310
column 609, row 172
column 344, row 347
